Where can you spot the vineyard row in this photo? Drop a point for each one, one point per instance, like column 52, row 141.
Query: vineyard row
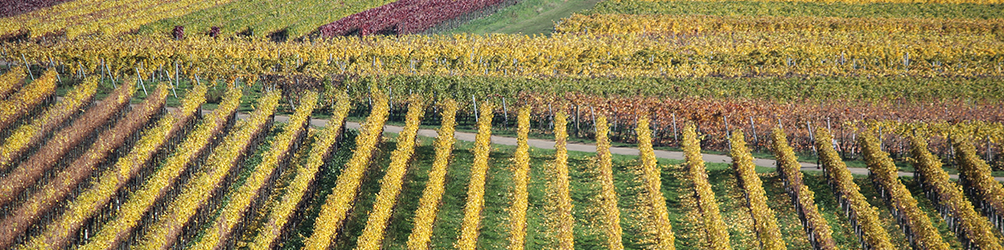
column 725, row 54
column 184, row 194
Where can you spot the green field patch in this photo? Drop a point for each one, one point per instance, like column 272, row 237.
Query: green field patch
column 525, row 17
column 275, row 19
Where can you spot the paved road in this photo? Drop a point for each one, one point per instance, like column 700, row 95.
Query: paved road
column 547, row 144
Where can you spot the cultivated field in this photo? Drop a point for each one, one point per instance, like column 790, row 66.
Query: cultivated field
column 262, row 124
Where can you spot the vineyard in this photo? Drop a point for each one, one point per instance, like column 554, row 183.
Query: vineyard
column 393, row 18
column 627, row 124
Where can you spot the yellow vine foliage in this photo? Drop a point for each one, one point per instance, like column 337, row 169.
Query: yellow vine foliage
column 193, row 101
column 48, row 196
column 471, row 227
column 428, row 205
column 86, row 17
column 605, row 24
column 390, row 186
column 521, row 169
column 973, row 226
column 343, row 195
column 611, row 213
column 62, row 141
column 764, row 219
column 714, row 226
column 964, row 130
column 791, row 171
column 866, row 216
column 10, row 81
column 89, row 202
column 32, row 133
column 103, row 147
column 560, row 187
column 139, row 201
column 720, row 54
column 305, row 174
column 27, row 98
column 885, row 173
column 653, row 186
column 241, row 200
column 166, row 229
column 977, row 175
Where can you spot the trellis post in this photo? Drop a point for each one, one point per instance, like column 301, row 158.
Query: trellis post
column 475, row 101
column 140, row 79
column 27, row 66
column 675, row 138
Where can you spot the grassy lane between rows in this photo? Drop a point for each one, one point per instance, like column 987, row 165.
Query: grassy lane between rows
column 246, row 168
column 494, row 225
column 586, row 190
column 498, row 199
column 326, row 180
column 400, row 224
column 355, row 221
column 541, row 206
column 525, row 17
column 259, row 220
column 446, row 229
column 635, row 211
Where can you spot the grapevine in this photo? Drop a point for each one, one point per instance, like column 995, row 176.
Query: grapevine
column 63, row 143
column 975, row 176
column 884, row 172
column 471, row 227
column 90, row 201
column 564, row 220
column 724, row 54
column 763, row 217
column 26, row 6
column 717, row 232
column 861, row 214
column 815, row 26
column 28, row 135
column 818, row 231
column 322, row 148
column 610, row 210
column 390, row 187
column 263, row 18
column 165, row 231
column 517, row 215
column 80, row 172
column 653, row 186
column 962, row 217
column 11, row 81
column 27, row 99
column 840, row 8
column 338, row 203
column 396, row 17
column 66, row 180
column 142, row 200
column 255, row 186
column 103, row 17
column 433, row 193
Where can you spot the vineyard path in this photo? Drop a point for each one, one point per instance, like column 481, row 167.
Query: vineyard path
column 548, row 144
column 578, row 147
